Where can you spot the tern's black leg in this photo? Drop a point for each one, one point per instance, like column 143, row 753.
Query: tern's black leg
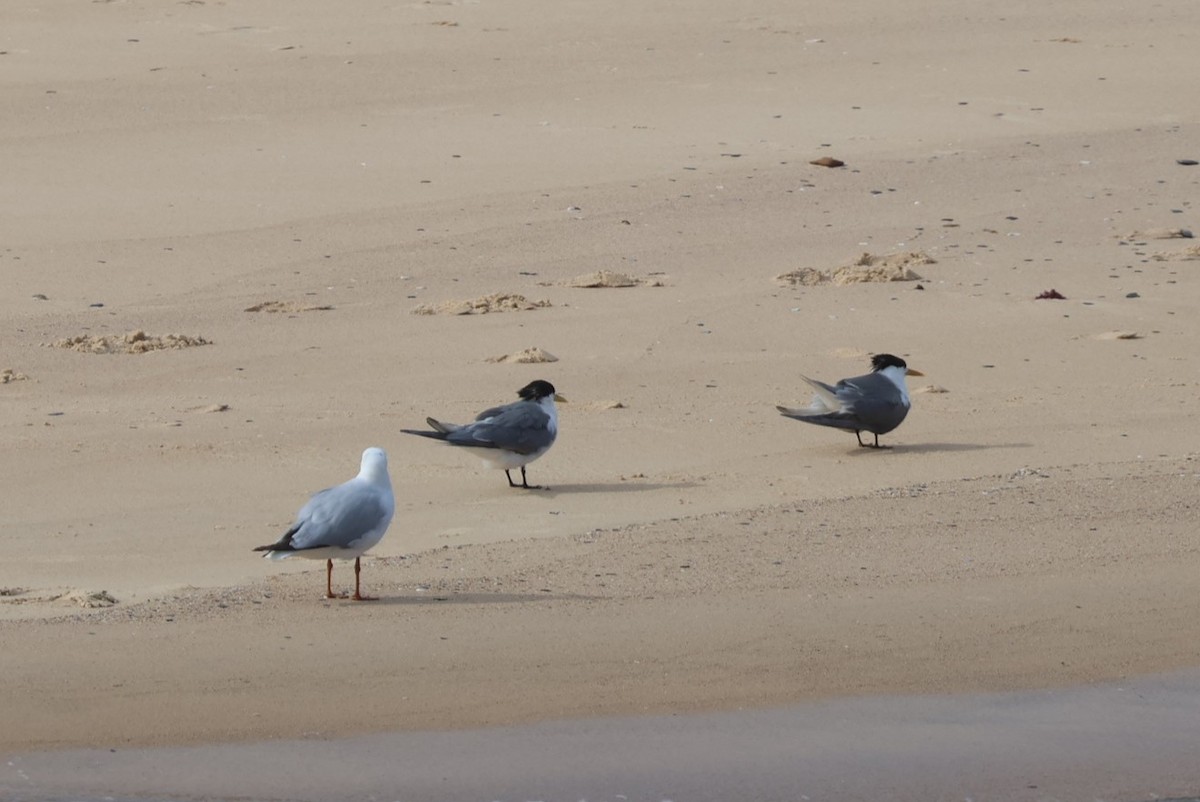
column 869, row 445
column 524, row 482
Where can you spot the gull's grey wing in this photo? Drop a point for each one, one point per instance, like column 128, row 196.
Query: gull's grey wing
column 520, row 427
column 339, row 516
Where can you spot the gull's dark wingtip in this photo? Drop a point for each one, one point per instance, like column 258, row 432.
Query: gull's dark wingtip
column 436, row 435
column 282, row 545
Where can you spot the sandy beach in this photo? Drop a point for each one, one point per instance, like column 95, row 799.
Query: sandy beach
column 243, row 242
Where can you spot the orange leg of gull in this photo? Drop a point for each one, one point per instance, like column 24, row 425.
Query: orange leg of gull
column 329, row 594
column 358, row 596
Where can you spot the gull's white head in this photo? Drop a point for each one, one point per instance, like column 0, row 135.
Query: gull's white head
column 374, row 465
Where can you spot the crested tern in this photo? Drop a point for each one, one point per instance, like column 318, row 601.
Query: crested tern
column 509, row 436
column 876, row 402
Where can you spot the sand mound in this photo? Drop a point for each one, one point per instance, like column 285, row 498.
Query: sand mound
column 1188, row 254
column 496, row 302
column 931, row 388
column 867, row 268
column 135, row 342
column 608, row 278
column 1119, row 335
column 603, row 405
column 209, row 408
column 530, row 356
column 91, row 599
column 288, row 306
column 892, row 267
column 1157, row 233
column 804, row 277
column 9, row 375
column 88, row 599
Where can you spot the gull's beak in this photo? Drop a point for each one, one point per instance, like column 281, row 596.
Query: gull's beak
column 559, row 399
column 913, row 372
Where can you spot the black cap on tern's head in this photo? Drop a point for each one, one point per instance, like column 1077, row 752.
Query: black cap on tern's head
column 881, row 361
column 884, row 361
column 537, row 390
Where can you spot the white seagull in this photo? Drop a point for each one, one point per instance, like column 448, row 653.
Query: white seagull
column 342, row 522
column 507, row 437
column 876, row 402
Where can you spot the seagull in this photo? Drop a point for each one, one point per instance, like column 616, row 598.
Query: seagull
column 506, row 437
column 342, row 522
column 875, row 402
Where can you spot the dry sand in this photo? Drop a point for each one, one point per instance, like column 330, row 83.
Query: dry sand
column 172, row 166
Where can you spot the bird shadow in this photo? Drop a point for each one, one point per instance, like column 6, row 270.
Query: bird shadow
column 429, row 599
column 610, row 487
column 935, row 448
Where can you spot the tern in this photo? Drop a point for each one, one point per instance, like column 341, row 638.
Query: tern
column 876, row 402
column 342, row 522
column 509, row 436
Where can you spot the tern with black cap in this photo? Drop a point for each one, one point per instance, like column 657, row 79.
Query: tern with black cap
column 509, row 436
column 876, row 402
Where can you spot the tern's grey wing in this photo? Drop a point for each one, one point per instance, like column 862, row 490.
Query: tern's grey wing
column 870, row 385
column 341, row 515
column 873, row 401
column 497, row 411
column 825, row 401
column 521, row 427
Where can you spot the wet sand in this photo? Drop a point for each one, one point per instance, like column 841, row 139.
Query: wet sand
column 1129, row 741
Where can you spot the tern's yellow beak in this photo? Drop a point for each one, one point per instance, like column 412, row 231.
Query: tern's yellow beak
column 912, row 372
column 562, row 400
